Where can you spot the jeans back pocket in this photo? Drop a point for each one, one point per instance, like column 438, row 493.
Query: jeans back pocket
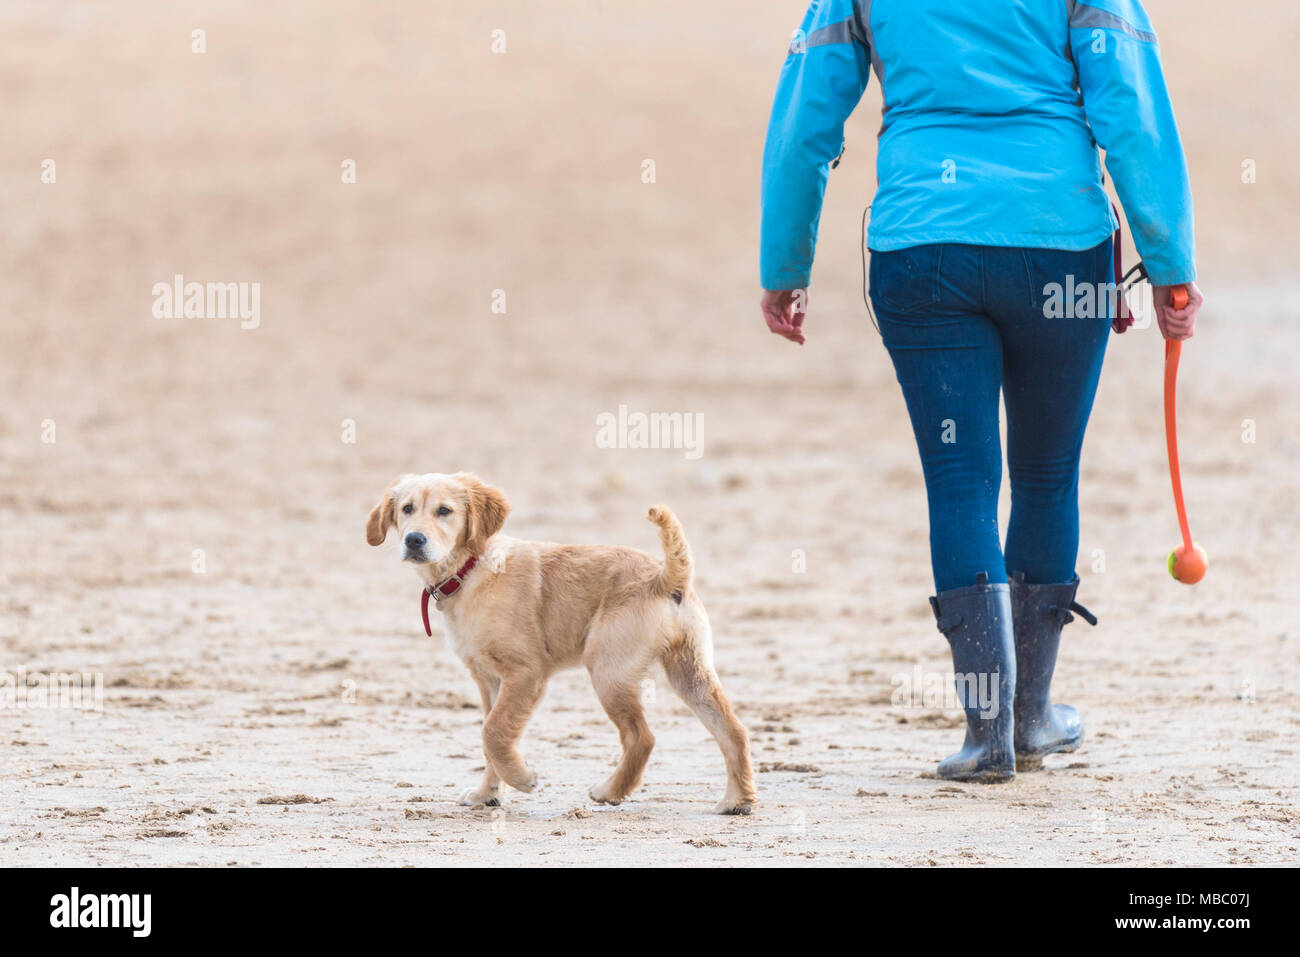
column 1070, row 283
column 906, row 280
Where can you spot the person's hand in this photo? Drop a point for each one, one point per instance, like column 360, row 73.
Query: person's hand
column 1177, row 323
column 784, row 310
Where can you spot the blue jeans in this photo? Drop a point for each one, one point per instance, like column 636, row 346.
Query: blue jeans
column 963, row 324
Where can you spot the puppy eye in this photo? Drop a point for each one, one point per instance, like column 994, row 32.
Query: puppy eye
column 443, row 510
column 408, row 508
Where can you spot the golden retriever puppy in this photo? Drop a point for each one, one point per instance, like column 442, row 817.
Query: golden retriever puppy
column 516, row 612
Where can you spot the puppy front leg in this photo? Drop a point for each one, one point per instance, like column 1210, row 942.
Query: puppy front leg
column 489, row 792
column 505, row 726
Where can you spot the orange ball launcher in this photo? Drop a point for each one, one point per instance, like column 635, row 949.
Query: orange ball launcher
column 1188, row 562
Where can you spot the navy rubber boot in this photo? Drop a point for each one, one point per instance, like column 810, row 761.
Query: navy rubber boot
column 977, row 623
column 1039, row 613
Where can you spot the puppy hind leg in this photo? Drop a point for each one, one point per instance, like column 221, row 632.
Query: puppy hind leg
column 697, row 683
column 622, row 702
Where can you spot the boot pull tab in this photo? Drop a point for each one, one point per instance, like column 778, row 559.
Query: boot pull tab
column 1064, row 616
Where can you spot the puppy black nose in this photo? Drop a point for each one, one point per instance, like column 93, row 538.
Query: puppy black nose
column 415, row 540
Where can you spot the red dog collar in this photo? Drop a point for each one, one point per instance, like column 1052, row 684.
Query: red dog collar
column 444, row 588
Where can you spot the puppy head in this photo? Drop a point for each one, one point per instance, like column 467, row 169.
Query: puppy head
column 435, row 515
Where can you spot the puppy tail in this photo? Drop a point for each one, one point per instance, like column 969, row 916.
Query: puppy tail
column 675, row 579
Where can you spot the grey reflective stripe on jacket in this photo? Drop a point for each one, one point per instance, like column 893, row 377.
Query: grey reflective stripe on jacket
column 1083, row 17
column 846, row 31
column 863, row 9
column 856, row 29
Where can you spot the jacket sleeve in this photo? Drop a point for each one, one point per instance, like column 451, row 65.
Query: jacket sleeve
column 1128, row 108
column 822, row 80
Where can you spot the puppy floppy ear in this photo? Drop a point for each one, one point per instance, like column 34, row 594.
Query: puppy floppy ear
column 381, row 518
column 487, row 512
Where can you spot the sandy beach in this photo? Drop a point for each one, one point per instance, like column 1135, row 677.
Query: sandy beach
column 535, row 238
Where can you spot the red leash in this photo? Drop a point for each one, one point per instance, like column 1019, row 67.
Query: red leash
column 1123, row 318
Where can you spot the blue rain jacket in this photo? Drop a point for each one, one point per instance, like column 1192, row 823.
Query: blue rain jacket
column 993, row 111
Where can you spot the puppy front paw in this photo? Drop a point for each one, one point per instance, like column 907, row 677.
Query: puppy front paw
column 479, row 797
